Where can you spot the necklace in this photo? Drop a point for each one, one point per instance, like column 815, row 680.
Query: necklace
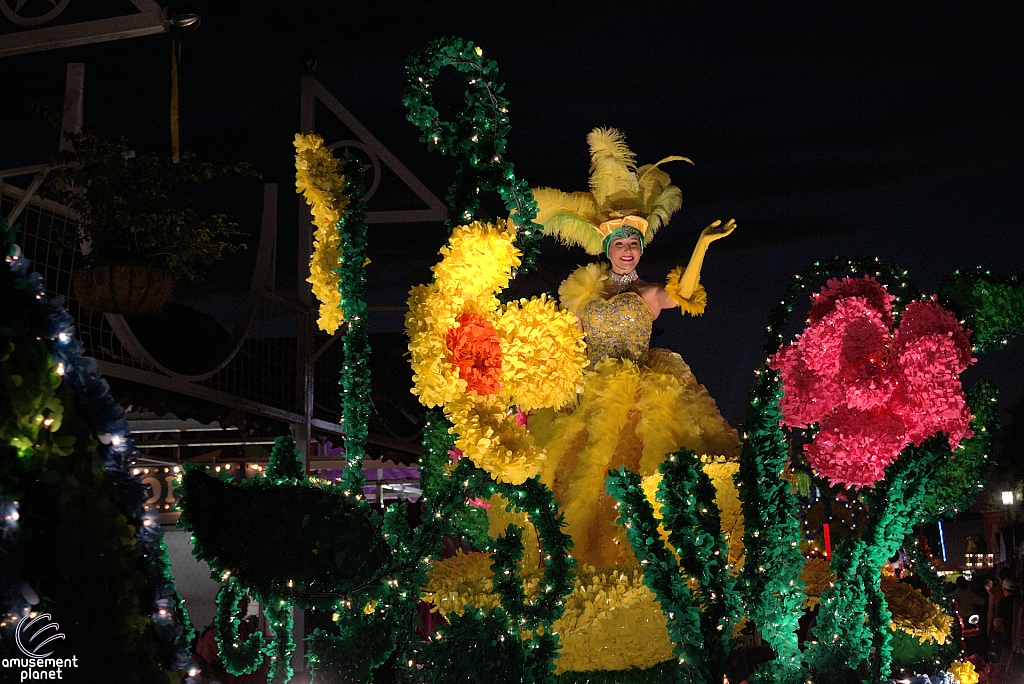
column 624, row 280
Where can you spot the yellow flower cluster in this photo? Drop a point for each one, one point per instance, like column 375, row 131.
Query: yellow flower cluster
column 317, row 178
column 963, row 672
column 915, row 614
column 911, row 611
column 611, row 619
column 817, row 577
column 542, row 354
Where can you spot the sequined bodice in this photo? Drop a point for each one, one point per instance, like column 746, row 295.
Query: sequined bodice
column 619, row 327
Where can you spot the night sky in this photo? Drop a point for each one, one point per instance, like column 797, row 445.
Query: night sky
column 890, row 129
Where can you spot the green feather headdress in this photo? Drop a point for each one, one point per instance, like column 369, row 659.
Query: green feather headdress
column 618, row 189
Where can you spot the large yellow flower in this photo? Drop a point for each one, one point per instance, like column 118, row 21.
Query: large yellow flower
column 911, row 611
column 317, row 178
column 481, row 360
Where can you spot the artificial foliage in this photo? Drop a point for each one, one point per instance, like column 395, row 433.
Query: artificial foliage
column 691, row 578
column 772, row 564
column 894, row 503
column 242, row 656
column 477, row 136
column 991, row 305
column 963, row 476
column 77, row 541
column 478, row 647
column 355, row 370
column 437, row 459
column 279, row 535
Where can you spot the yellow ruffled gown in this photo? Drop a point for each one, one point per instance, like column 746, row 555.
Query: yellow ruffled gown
column 637, row 405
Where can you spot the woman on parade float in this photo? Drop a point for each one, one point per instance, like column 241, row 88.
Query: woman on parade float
column 638, row 403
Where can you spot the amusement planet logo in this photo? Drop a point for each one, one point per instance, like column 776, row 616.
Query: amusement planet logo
column 33, row 637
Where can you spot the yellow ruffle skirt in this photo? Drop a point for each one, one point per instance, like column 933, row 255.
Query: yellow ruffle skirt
column 627, row 415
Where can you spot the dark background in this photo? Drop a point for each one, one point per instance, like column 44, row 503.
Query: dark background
column 890, row 129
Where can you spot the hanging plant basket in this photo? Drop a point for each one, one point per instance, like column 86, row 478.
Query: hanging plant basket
column 124, row 288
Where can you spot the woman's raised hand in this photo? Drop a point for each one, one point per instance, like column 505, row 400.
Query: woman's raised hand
column 718, row 230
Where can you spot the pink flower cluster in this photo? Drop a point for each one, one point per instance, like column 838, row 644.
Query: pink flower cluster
column 872, row 390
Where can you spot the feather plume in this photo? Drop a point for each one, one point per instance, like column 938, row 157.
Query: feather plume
column 572, row 230
column 612, row 167
column 569, row 217
column 551, row 202
column 666, row 204
column 582, row 286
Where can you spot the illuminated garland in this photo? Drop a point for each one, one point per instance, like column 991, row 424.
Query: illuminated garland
column 239, row 656
column 661, row 574
column 992, row 306
column 436, row 462
column 477, row 135
column 66, row 450
column 771, row 537
column 701, row 616
column 317, row 178
column 895, row 503
column 355, row 371
column 537, row 501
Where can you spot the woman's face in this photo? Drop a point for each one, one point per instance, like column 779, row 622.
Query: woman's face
column 624, row 254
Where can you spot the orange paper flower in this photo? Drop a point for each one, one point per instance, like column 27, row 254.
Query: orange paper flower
column 474, row 348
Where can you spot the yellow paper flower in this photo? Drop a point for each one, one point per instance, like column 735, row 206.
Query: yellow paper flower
column 611, row 620
column 963, row 671
column 817, row 577
column 915, row 614
column 479, row 359
column 489, row 437
column 317, row 178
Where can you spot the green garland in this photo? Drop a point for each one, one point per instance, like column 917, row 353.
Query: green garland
column 285, row 462
column 895, row 503
column 662, row 575
column 659, row 674
column 477, row 135
column 470, row 521
column 695, row 530
column 992, row 306
column 476, row 647
column 239, row 656
column 963, row 476
column 772, row 589
column 280, row 538
column 536, row 500
column 355, row 371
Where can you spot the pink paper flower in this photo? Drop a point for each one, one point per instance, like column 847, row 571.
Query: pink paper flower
column 872, row 390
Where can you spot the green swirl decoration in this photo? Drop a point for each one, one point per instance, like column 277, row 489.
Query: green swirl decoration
column 477, row 136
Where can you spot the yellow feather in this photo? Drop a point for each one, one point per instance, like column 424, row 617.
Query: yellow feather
column 612, row 168
column 666, row 204
column 582, row 286
column 570, row 218
column 551, row 202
